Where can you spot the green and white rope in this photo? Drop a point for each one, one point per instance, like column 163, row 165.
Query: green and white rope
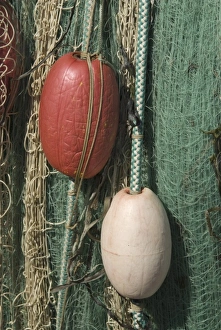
column 140, row 319
column 140, row 89
column 88, row 22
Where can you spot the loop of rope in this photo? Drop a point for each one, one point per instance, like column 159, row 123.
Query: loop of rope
column 140, row 85
column 83, row 160
column 79, row 172
column 98, row 116
column 9, row 198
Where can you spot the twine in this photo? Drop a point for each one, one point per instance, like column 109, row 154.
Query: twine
column 34, row 244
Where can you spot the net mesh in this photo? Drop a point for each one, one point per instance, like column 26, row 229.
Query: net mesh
column 12, row 129
column 186, row 102
column 183, row 101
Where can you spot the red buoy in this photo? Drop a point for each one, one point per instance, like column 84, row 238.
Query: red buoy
column 79, row 113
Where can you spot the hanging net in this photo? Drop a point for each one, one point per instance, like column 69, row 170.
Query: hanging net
column 48, row 236
column 185, row 104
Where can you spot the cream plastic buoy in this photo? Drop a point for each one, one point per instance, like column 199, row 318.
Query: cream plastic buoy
column 136, row 243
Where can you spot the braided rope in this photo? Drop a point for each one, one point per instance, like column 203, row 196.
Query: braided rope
column 140, row 320
column 88, row 21
column 140, row 86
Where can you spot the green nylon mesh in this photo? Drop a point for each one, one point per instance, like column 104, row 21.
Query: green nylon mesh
column 183, row 100
column 186, row 101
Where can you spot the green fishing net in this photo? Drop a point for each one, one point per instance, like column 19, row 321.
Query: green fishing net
column 182, row 105
column 185, row 104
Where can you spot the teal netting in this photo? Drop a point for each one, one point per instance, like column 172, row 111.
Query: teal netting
column 183, row 101
column 186, row 102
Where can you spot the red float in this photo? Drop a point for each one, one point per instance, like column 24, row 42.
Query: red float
column 79, row 113
column 10, row 58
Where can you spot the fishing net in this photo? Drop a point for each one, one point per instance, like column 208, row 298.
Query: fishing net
column 44, row 226
column 186, row 103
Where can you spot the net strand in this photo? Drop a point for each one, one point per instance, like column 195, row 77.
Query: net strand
column 35, row 248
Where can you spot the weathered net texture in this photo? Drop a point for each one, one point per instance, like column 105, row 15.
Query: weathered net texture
column 186, row 101
column 35, row 249
column 12, row 129
column 79, row 310
column 75, row 308
column 183, row 99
